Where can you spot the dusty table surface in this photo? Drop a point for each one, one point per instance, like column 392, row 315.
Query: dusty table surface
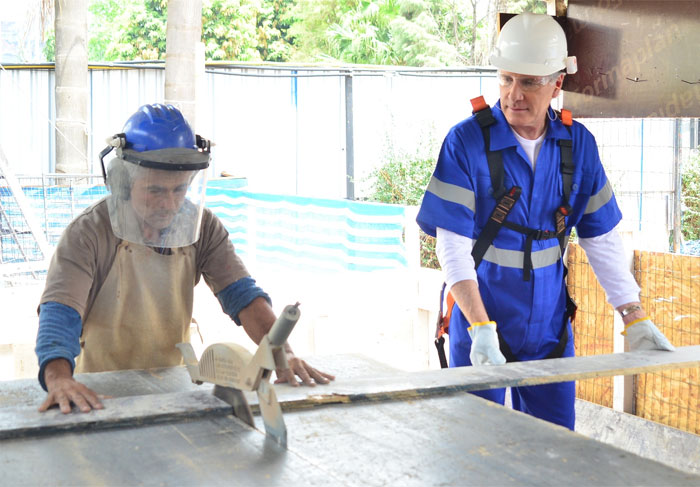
column 452, row 438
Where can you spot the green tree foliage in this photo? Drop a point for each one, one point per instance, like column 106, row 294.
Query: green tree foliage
column 236, row 30
column 141, row 32
column 391, row 32
column 397, row 32
column 361, row 35
column 690, row 195
column 311, row 21
column 416, row 38
column 229, row 30
column 102, row 19
column 273, row 23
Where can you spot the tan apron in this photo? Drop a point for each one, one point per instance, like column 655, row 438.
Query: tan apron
column 142, row 310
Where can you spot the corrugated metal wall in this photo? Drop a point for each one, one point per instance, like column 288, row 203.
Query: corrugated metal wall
column 282, row 128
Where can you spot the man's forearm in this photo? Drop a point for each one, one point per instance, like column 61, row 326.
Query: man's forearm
column 257, row 318
column 59, row 368
column 466, row 294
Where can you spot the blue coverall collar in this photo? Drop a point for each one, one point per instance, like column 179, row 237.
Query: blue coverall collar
column 502, row 135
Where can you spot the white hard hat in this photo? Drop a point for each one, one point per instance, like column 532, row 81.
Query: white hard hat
column 532, row 44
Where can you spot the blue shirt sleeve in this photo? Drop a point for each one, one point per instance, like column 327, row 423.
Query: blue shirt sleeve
column 60, row 327
column 236, row 296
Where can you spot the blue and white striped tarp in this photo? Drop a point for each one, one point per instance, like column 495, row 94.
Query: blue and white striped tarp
column 311, row 234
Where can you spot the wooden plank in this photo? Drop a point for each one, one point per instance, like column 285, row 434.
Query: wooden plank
column 136, row 398
column 407, row 385
column 25, row 420
column 27, row 392
column 124, row 412
column 122, row 383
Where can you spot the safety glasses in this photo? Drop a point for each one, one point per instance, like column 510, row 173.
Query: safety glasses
column 527, row 83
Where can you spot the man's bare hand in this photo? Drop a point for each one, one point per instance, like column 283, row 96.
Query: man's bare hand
column 64, row 390
column 308, row 375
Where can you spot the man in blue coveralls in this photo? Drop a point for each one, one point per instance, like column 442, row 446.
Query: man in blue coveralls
column 509, row 185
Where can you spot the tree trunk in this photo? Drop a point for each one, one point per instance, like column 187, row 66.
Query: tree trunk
column 184, row 56
column 495, row 6
column 556, row 7
column 475, row 21
column 71, row 86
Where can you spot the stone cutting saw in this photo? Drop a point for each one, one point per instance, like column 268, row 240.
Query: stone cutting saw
column 233, row 369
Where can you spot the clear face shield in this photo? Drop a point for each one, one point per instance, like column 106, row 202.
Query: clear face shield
column 157, row 197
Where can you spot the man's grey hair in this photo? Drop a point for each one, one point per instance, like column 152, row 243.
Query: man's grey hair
column 553, row 77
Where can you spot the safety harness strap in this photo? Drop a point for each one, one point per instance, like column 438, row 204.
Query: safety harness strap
column 443, row 325
column 495, row 222
column 567, row 176
column 558, row 350
column 506, row 200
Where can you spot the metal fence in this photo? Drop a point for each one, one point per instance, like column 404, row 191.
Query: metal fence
column 670, row 293
column 53, row 200
column 285, row 129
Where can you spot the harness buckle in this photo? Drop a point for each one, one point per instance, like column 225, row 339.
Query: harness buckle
column 505, row 204
column 560, row 218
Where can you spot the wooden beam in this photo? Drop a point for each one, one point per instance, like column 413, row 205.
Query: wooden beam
column 122, row 412
column 408, row 385
column 159, row 407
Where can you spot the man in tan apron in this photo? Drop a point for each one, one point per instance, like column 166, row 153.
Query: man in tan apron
column 119, row 291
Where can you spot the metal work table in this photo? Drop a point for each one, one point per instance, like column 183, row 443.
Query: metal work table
column 160, row 429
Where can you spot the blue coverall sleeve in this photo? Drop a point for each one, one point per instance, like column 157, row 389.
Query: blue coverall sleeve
column 238, row 295
column 60, row 327
column 449, row 200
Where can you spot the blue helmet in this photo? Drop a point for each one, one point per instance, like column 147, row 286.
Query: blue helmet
column 159, row 137
column 158, row 126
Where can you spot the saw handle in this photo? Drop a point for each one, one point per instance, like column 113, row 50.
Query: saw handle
column 284, row 324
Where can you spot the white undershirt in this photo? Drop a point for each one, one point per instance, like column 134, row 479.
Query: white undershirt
column 606, row 253
column 531, row 147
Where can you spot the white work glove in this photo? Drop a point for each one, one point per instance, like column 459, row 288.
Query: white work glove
column 485, row 349
column 644, row 335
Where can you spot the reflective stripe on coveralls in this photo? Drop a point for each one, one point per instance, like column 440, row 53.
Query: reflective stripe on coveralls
column 142, row 310
column 460, row 199
column 502, row 257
